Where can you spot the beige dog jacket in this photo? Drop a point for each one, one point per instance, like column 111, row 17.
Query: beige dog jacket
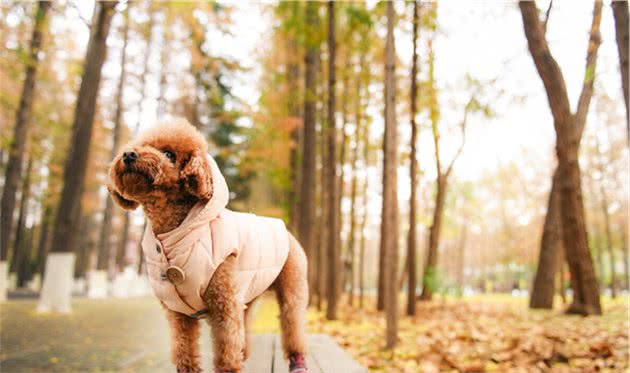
column 180, row 263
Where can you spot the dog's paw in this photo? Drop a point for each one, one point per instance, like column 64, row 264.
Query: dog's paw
column 297, row 363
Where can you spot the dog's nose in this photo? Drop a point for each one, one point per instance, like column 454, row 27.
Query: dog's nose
column 130, row 157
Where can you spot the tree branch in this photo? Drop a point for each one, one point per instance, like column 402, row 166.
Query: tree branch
column 547, row 17
column 85, row 21
column 461, row 146
column 589, row 74
column 546, row 65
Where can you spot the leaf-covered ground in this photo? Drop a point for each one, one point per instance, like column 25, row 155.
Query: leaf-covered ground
column 486, row 334
column 490, row 333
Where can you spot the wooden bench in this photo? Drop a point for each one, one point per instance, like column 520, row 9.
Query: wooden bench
column 325, row 356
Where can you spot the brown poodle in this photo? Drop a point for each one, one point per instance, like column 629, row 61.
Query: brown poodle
column 203, row 260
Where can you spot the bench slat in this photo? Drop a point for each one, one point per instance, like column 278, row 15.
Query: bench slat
column 260, row 355
column 332, row 358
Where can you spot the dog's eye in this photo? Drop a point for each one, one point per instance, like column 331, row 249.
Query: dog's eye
column 169, row 154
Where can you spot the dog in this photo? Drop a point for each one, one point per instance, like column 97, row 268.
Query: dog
column 203, row 260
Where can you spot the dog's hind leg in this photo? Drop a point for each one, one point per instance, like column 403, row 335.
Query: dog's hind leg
column 292, row 292
column 224, row 317
column 185, row 342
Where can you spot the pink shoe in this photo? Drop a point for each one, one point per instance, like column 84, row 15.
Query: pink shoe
column 297, row 363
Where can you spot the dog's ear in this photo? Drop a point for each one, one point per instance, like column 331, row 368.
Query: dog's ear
column 197, row 177
column 120, row 200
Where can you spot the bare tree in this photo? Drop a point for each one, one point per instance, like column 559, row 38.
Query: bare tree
column 413, row 173
column 390, row 188
column 550, row 252
column 104, row 249
column 340, row 165
column 20, row 130
column 569, row 127
column 293, row 110
column 331, row 182
column 322, row 192
column 551, row 241
column 364, row 193
column 620, row 11
column 307, row 185
column 353, row 191
column 443, row 174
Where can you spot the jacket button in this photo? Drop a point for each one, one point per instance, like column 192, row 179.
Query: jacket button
column 175, row 275
column 157, row 248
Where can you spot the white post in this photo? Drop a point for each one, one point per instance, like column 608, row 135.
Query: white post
column 36, row 283
column 4, row 279
column 12, row 285
column 97, row 284
column 121, row 285
column 57, row 288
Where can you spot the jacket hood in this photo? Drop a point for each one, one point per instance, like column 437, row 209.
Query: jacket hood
column 201, row 214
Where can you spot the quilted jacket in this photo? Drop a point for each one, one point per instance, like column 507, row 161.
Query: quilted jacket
column 180, row 263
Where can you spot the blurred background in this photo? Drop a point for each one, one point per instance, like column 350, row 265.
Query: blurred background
column 437, row 185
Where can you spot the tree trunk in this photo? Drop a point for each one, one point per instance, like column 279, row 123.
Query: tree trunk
column 341, row 178
column 380, row 291
column 20, row 131
column 121, row 247
column 569, row 128
column 293, row 75
column 84, row 248
column 550, row 245
column 322, row 236
column 104, row 246
column 18, row 260
column 429, row 271
column 353, row 193
column 609, row 243
column 75, row 167
column 413, row 174
column 380, row 296
column 583, row 280
column 620, row 12
column 364, row 199
column 390, row 187
column 307, row 186
column 42, row 246
column 429, row 281
column 333, row 257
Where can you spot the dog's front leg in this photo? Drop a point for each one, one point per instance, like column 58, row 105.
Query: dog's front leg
column 185, row 342
column 225, row 319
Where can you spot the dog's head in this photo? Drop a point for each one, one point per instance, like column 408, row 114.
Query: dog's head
column 167, row 161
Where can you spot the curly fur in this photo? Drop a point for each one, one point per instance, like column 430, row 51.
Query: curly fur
column 185, row 342
column 167, row 189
